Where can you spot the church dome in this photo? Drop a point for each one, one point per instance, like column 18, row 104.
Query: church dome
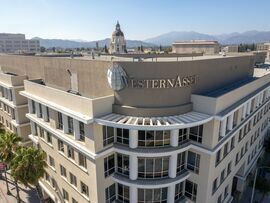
column 118, row 32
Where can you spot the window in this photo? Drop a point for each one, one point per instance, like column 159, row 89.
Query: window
column 178, row 190
column 229, row 168
column 82, row 132
column 84, row 189
column 70, row 152
column 181, row 163
column 47, row 177
column 182, row 135
column 232, row 143
column 74, row 201
column 108, row 165
column 219, row 199
column 152, row 195
column 110, row 194
column 72, row 179
column 123, row 164
column 218, row 157
column 60, row 120
column 153, row 138
column 193, row 162
column 49, row 138
column 214, row 187
column 149, row 168
column 82, row 160
column 63, row 171
column 123, row 193
column 51, row 162
column 41, row 132
column 33, row 107
column 61, row 146
column 226, row 150
column 70, row 125
column 65, row 195
column 226, row 191
column 222, row 177
column 195, row 133
column 39, row 110
column 108, row 135
column 191, row 190
column 122, row 136
column 48, row 113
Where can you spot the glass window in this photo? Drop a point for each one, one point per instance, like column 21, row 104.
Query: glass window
column 70, row 125
column 49, row 138
column 82, row 131
column 123, row 193
column 214, row 187
column 181, row 163
column 82, row 160
column 153, row 138
column 218, row 157
column 84, row 189
column 65, row 195
column 63, row 171
column 74, row 201
column 72, row 179
column 123, row 164
column 108, row 135
column 193, row 162
column 195, row 133
column 222, row 177
column 48, row 113
column 178, row 190
column 219, row 198
column 61, row 146
column 110, row 194
column 152, row 195
column 182, row 135
column 229, row 168
column 40, row 110
column 226, row 191
column 70, row 152
column 109, row 165
column 51, row 162
column 149, row 168
column 191, row 190
column 122, row 136
column 60, row 121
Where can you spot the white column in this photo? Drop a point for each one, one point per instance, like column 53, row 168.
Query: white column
column 261, row 98
column 133, row 167
column 248, row 107
column 244, row 112
column 30, row 107
column 257, row 100
column 171, row 193
column 230, row 122
column 9, row 94
column 33, row 129
column 133, row 194
column 172, row 165
column 65, row 123
column 223, row 124
column 76, row 127
column 174, row 137
column 44, row 112
column 5, row 93
column 133, row 138
column 37, row 109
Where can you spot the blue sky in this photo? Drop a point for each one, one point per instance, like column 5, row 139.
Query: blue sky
column 140, row 19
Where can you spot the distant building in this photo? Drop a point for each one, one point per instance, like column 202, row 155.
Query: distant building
column 11, row 43
column 230, row 48
column 196, row 46
column 264, row 47
column 118, row 42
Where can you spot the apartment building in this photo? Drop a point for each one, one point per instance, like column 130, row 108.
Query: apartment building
column 13, row 106
column 13, row 43
column 134, row 132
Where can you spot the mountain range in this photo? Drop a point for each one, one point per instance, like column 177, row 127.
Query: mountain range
column 165, row 39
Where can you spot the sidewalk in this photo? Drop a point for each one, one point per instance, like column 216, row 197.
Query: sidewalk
column 28, row 195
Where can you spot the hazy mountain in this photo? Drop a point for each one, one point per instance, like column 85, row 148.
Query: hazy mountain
column 47, row 43
column 169, row 38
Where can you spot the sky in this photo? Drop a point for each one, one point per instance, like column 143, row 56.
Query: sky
column 139, row 19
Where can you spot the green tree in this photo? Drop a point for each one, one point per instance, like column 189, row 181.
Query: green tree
column 28, row 166
column 42, row 49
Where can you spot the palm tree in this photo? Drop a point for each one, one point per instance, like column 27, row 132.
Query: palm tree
column 28, row 166
column 9, row 143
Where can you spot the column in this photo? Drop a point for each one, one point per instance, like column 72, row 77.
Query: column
column 5, row 93
column 257, row 99
column 133, row 138
column 230, row 122
column 9, row 94
column 33, row 129
column 174, row 137
column 133, row 194
column 76, row 126
column 172, row 165
column 171, row 193
column 223, row 124
column 65, row 123
column 248, row 107
column 261, row 98
column 38, row 109
column 30, row 107
column 44, row 112
column 244, row 112
column 133, row 167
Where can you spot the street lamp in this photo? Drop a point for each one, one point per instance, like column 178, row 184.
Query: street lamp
column 253, row 188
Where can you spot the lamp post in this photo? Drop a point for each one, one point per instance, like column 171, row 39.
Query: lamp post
column 253, row 188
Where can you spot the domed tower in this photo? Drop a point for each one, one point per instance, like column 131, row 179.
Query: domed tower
column 118, row 42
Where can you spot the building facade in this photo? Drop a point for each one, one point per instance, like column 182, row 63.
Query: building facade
column 118, row 42
column 13, row 43
column 196, row 46
column 135, row 132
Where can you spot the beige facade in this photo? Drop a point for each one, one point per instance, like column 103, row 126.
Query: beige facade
column 196, row 46
column 174, row 131
column 13, row 43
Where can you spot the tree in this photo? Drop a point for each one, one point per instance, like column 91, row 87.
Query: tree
column 106, row 49
column 28, row 166
column 42, row 49
column 263, row 186
column 9, row 143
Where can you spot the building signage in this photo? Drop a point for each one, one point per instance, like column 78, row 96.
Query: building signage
column 118, row 79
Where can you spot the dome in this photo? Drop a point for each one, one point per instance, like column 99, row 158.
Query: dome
column 117, row 77
column 118, row 31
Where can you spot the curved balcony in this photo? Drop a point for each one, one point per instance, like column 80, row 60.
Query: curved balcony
column 187, row 120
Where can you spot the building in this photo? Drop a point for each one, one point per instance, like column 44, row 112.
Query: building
column 196, row 46
column 13, row 43
column 265, row 47
column 118, row 42
column 231, row 49
column 136, row 132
